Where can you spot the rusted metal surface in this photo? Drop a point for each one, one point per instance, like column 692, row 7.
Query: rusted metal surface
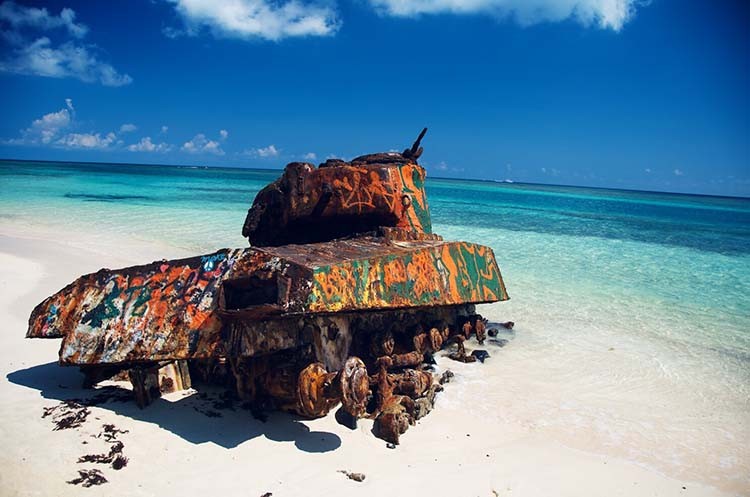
column 240, row 302
column 313, row 204
column 355, row 387
column 343, row 298
column 308, row 204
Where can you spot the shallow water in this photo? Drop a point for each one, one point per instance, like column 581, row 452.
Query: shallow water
column 632, row 309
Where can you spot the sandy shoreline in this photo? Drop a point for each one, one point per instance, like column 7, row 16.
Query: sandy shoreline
column 174, row 447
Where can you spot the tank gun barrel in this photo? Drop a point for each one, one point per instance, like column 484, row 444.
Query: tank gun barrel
column 415, row 151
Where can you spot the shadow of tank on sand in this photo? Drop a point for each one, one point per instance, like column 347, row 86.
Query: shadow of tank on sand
column 205, row 416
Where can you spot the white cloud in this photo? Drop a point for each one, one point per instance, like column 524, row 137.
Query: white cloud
column 247, row 19
column 172, row 33
column 648, row 170
column 128, row 128
column 87, row 140
column 310, row 156
column 269, row 151
column 223, row 133
column 146, row 145
column 611, row 14
column 50, row 125
column 47, row 128
column 38, row 56
column 56, row 130
column 19, row 17
column 442, row 166
column 201, row 144
column 213, row 147
column 263, row 152
column 678, row 172
column 164, row 129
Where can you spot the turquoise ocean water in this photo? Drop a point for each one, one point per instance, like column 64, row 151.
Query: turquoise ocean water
column 630, row 306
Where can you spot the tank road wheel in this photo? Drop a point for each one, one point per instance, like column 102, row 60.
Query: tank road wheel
column 436, row 339
column 355, row 387
column 314, row 391
column 467, row 329
column 480, row 329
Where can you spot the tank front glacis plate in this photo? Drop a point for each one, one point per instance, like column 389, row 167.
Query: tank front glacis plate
column 414, row 274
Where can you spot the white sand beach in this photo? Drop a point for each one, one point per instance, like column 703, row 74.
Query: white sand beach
column 467, row 446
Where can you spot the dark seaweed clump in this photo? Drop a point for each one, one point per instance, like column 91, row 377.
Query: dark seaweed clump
column 73, row 413
column 109, row 433
column 67, row 414
column 88, row 478
column 114, row 457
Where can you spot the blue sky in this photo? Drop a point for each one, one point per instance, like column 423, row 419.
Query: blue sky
column 610, row 93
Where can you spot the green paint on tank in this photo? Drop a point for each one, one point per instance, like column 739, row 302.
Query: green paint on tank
column 417, row 182
column 105, row 310
column 433, row 274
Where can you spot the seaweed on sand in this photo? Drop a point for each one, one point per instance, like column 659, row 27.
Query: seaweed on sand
column 88, row 478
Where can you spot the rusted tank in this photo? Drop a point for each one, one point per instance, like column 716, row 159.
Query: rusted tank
column 343, row 296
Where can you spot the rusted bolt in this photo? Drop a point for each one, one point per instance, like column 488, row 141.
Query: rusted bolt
column 406, row 201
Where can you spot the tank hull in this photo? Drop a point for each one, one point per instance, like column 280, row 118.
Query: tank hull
column 204, row 306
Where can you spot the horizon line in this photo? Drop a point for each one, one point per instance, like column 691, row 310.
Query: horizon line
column 482, row 180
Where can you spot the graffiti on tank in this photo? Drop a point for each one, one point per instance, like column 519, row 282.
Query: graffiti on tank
column 365, row 189
column 365, row 186
column 447, row 273
column 419, row 213
column 210, row 261
column 160, row 297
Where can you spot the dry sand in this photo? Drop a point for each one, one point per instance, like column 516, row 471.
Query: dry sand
column 179, row 446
